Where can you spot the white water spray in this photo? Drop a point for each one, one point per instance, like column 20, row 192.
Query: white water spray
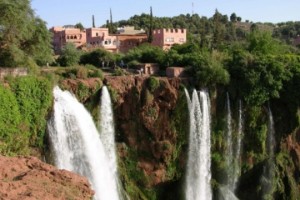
column 238, row 150
column 268, row 173
column 229, row 153
column 107, row 130
column 77, row 146
column 199, row 158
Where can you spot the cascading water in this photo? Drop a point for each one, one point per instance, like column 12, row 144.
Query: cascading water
column 229, row 153
column 107, row 130
column 199, row 158
column 233, row 153
column 77, row 146
column 268, row 173
column 238, row 150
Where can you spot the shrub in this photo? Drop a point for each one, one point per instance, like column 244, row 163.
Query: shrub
column 82, row 72
column 153, row 83
column 119, row 72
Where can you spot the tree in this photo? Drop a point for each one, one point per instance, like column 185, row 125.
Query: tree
column 70, row 55
column 80, row 26
column 93, row 21
column 97, row 58
column 24, row 38
column 218, row 29
column 150, row 36
column 233, row 17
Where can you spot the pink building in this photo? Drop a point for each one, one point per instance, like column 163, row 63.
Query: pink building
column 100, row 38
column 126, row 39
column 166, row 38
column 62, row 35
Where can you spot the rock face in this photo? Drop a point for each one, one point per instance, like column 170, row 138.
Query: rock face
column 28, row 178
column 144, row 117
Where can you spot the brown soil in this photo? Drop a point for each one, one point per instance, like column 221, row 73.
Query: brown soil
column 24, row 178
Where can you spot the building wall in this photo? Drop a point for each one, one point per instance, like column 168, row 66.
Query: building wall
column 166, row 38
column 175, row 72
column 93, row 38
column 127, row 42
column 148, row 68
column 63, row 35
column 13, row 72
column 100, row 38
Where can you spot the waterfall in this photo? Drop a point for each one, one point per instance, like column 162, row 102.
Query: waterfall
column 233, row 152
column 77, row 147
column 238, row 150
column 268, row 172
column 107, row 130
column 229, row 152
column 199, row 159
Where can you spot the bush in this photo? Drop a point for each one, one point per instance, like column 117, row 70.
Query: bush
column 119, row 72
column 70, row 55
column 153, row 83
column 82, row 72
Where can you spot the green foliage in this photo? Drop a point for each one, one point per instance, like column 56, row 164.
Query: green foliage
column 208, row 69
column 97, row 58
column 180, row 126
column 261, row 42
column 11, row 138
column 259, row 78
column 153, row 83
column 145, row 53
column 82, row 91
column 34, row 96
column 80, row 72
column 94, row 72
column 285, row 184
column 23, row 36
column 70, row 55
column 119, row 72
column 133, row 178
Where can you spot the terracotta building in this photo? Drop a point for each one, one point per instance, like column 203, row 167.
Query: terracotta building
column 62, row 35
column 127, row 42
column 126, row 38
column 100, row 38
column 166, row 38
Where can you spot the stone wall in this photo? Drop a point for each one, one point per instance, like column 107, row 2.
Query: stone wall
column 13, row 72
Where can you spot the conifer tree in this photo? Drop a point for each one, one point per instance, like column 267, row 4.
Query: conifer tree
column 93, row 18
column 150, row 36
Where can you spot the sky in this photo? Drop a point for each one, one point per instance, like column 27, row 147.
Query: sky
column 70, row 12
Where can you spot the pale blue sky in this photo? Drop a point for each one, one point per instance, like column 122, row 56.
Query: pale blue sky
column 63, row 12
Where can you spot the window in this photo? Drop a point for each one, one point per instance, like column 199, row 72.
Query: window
column 169, row 39
column 181, row 39
column 97, row 34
